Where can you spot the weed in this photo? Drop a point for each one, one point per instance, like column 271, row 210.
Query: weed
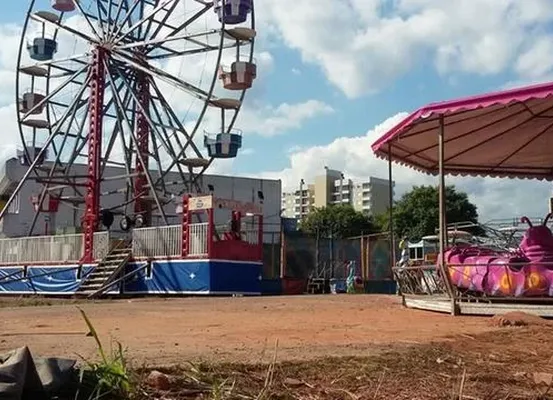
column 109, row 377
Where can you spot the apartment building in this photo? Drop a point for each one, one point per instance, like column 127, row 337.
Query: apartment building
column 371, row 196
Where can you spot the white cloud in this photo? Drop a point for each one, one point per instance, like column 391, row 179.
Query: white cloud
column 495, row 198
column 271, row 121
column 363, row 45
column 532, row 63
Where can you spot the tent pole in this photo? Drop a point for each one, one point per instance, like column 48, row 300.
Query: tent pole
column 443, row 223
column 391, row 216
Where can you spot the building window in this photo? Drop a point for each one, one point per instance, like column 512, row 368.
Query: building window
column 14, row 206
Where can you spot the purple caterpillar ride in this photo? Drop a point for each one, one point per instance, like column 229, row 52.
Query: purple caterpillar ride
column 527, row 272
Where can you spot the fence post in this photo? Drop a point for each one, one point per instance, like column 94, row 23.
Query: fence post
column 282, row 253
column 185, row 228
column 210, row 232
column 260, row 237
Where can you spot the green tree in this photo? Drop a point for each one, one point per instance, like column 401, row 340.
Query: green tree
column 339, row 221
column 416, row 213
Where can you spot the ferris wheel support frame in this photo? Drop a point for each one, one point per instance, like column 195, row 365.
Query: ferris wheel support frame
column 95, row 110
column 143, row 133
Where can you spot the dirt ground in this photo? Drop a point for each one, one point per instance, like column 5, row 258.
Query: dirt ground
column 231, row 329
column 306, row 347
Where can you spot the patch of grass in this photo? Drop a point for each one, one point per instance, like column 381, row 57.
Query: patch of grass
column 434, row 372
column 34, row 301
column 38, row 301
column 108, row 378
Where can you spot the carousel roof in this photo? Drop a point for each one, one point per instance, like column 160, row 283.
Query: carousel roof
column 506, row 134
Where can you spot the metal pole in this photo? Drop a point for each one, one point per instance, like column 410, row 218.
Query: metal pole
column 391, row 205
column 142, row 134
column 390, row 222
column 442, row 220
column 92, row 198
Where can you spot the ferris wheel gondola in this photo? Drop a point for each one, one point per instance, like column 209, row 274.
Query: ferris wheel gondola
column 95, row 76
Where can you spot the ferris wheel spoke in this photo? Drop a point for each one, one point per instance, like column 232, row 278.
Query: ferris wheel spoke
column 197, row 176
column 142, row 21
column 190, row 137
column 58, row 161
column 118, row 133
column 158, row 162
column 154, row 128
column 168, row 136
column 181, row 27
column 53, row 62
column 35, row 162
column 67, row 132
column 174, row 53
column 47, row 98
column 167, row 139
column 139, row 156
column 80, row 141
column 65, row 28
column 158, row 43
column 172, row 117
column 160, row 23
column 113, row 26
column 159, row 73
column 87, row 19
column 102, row 10
column 145, row 33
column 117, row 128
column 117, row 29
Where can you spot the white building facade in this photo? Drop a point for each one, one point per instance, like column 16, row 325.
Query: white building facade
column 371, row 197
column 19, row 217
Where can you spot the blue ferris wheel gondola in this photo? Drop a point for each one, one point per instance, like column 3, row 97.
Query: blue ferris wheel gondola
column 224, row 145
column 233, row 12
column 42, row 49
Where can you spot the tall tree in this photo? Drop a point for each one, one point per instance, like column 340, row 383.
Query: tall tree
column 338, row 221
column 416, row 213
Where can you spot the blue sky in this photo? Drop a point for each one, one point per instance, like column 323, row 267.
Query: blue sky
column 347, row 66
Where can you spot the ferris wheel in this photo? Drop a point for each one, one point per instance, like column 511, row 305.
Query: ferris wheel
column 112, row 95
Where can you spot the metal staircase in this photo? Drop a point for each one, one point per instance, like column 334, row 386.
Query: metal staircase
column 100, row 280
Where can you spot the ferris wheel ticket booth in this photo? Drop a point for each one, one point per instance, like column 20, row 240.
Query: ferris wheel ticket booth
column 214, row 259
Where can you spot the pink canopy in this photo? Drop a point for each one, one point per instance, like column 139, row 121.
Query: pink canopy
column 507, row 133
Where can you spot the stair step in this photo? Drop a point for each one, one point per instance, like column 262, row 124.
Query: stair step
column 101, row 273
column 119, row 251
column 94, row 280
column 107, row 267
column 116, row 256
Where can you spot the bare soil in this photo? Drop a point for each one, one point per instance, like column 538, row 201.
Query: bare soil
column 168, row 331
column 305, row 347
column 511, row 364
